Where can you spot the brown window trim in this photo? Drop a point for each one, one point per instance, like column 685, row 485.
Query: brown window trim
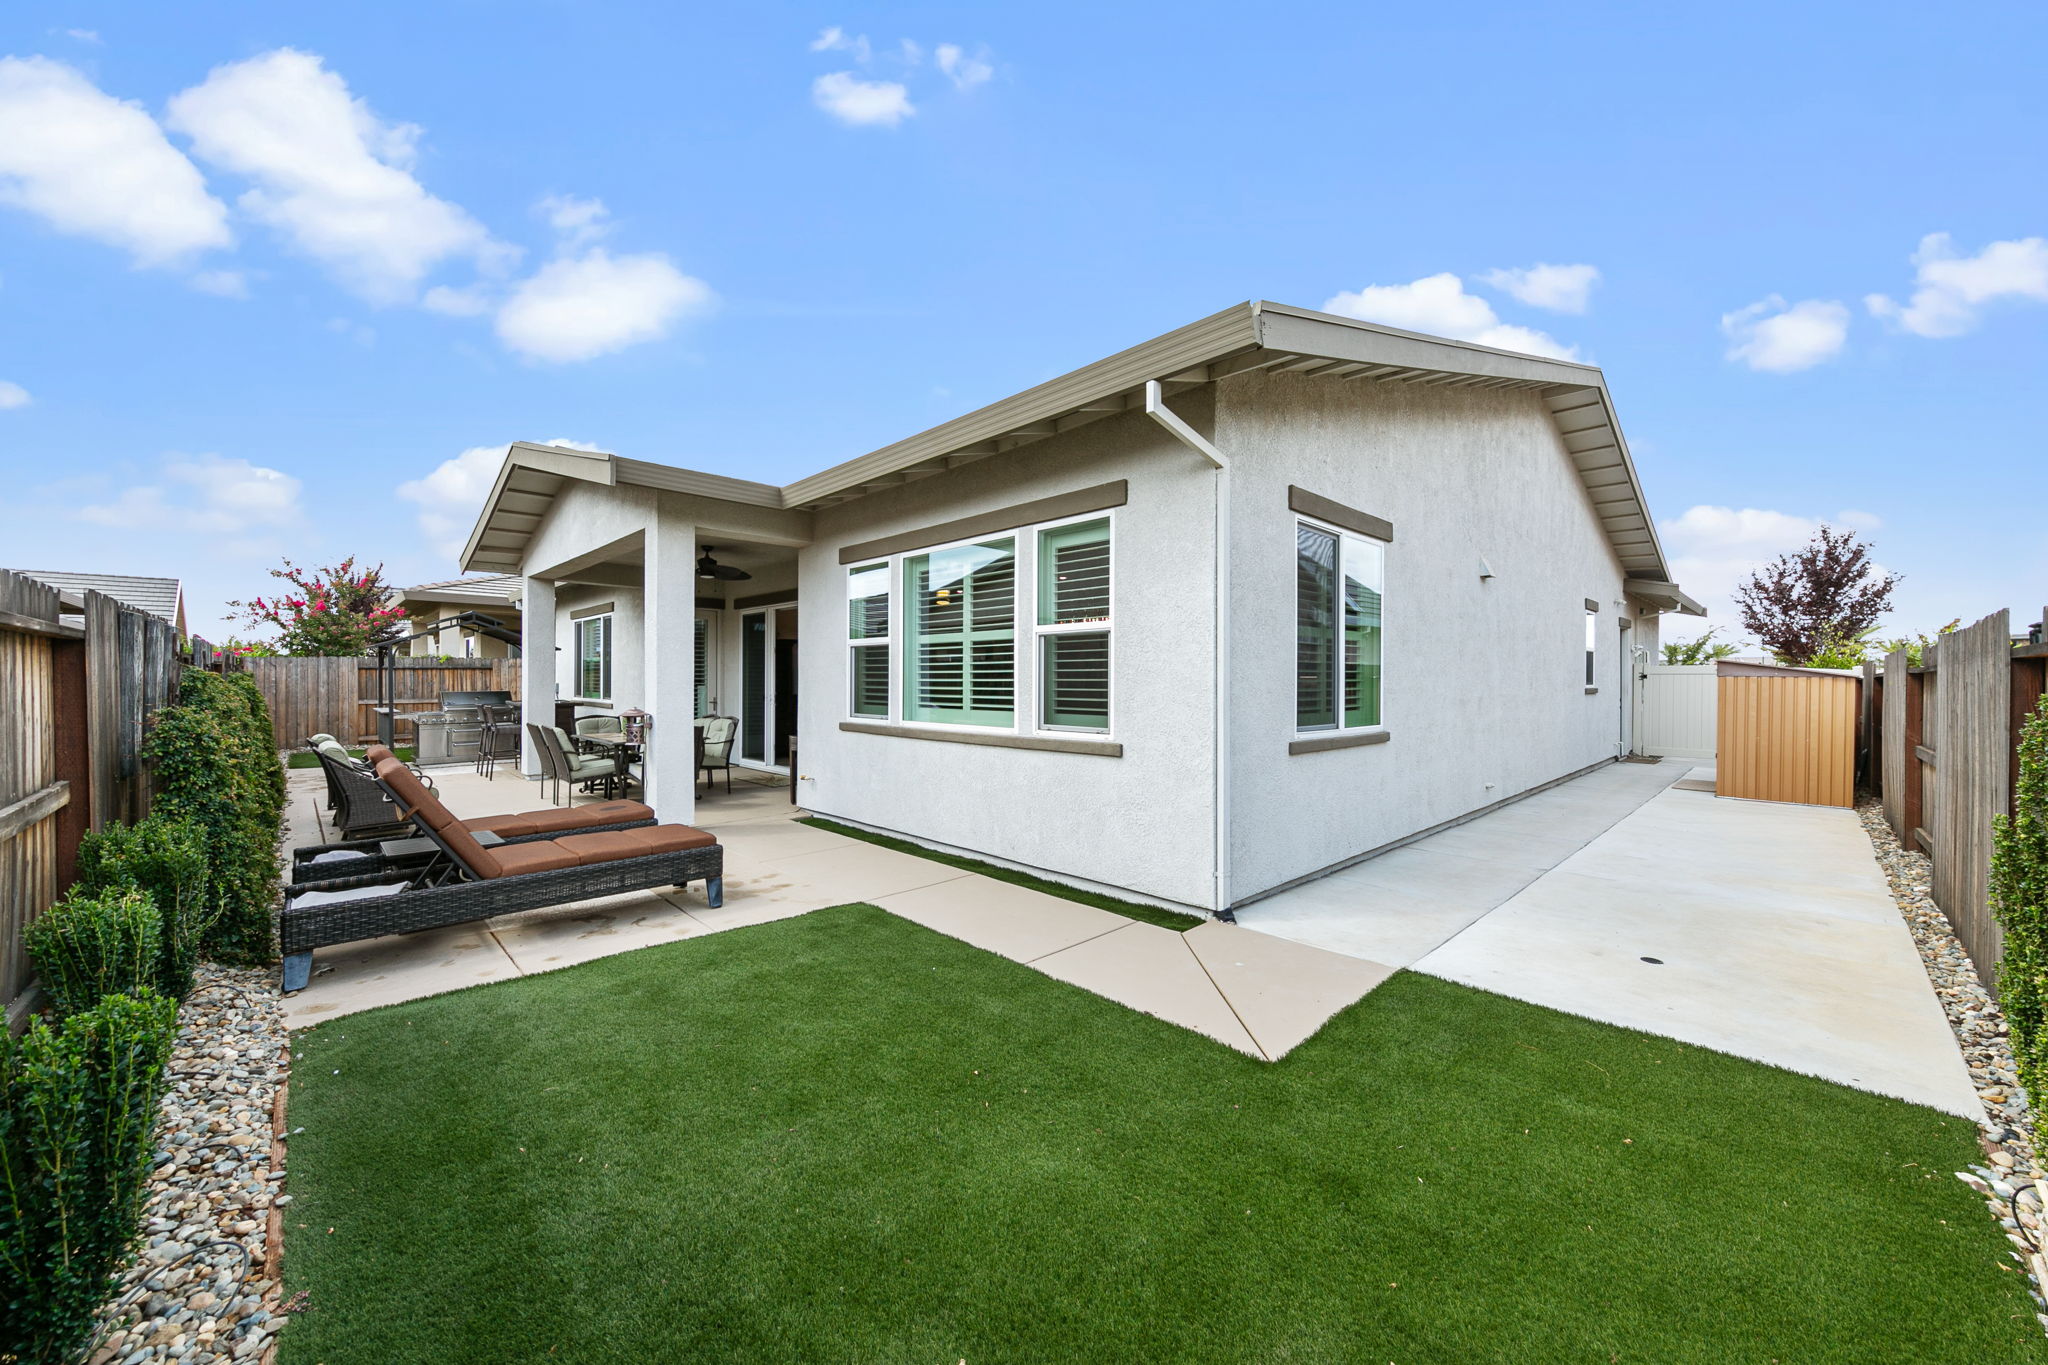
column 1101, row 748
column 764, row 599
column 1100, row 498
column 1324, row 743
column 601, row 609
column 1337, row 514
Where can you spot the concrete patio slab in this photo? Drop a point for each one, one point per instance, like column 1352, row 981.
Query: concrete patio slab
column 396, row 968
column 1753, row 956
column 1281, row 992
column 543, row 940
column 1152, row 970
column 1008, row 920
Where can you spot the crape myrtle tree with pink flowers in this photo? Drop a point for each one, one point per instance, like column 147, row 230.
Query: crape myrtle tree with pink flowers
column 335, row 611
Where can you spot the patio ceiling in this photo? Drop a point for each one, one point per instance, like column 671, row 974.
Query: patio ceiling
column 1250, row 336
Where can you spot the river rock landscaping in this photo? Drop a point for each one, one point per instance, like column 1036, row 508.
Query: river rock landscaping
column 2010, row 1178
column 203, row 1286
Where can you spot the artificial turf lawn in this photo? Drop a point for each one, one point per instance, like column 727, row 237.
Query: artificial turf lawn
column 842, row 1137
column 1137, row 910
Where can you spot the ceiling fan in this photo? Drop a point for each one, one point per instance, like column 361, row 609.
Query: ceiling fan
column 707, row 567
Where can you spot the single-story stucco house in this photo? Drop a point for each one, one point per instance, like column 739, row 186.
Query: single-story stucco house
column 1207, row 618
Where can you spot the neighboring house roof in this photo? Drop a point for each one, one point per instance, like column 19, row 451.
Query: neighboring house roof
column 499, row 590
column 163, row 598
column 1248, row 336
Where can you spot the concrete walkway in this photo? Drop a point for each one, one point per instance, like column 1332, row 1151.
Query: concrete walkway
column 1258, row 994
column 1759, row 929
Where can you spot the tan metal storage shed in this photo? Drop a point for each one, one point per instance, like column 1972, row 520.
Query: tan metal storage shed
column 1787, row 734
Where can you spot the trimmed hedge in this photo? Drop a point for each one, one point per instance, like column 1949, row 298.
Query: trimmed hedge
column 216, row 768
column 2019, row 897
column 78, row 1110
column 87, row 947
column 166, row 858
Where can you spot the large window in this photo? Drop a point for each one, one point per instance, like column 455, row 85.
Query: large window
column 1338, row 632
column 867, row 628
column 594, row 658
column 960, row 635
column 934, row 637
column 1073, row 626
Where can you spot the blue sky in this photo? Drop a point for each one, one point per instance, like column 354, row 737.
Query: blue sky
column 266, row 270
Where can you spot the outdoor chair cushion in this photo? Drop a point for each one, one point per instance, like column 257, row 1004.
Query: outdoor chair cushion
column 513, row 860
column 600, row 725
column 334, row 750
column 315, row 741
column 559, row 819
column 613, row 845
column 425, row 807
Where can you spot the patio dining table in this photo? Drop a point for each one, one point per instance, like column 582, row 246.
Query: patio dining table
column 627, row 750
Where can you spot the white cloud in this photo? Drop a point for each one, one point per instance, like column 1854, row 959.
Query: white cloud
column 83, row 35
column 852, row 100
column 963, row 70
column 99, row 167
column 590, row 305
column 453, row 494
column 471, row 302
column 1952, row 291
column 1439, row 305
column 1559, row 288
column 204, row 494
column 13, row 395
column 578, row 222
column 836, row 39
column 1779, row 337
column 1713, row 549
column 228, row 284
column 329, row 175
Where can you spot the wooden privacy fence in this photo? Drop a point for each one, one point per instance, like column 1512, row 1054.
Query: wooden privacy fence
column 77, row 682
column 1946, row 740
column 1790, row 738
column 338, row 696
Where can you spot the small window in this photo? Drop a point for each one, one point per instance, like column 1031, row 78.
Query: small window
column 1592, row 640
column 867, row 631
column 594, row 658
column 960, row 635
column 1339, row 599
column 1073, row 626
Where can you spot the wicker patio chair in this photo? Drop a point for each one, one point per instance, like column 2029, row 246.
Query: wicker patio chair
column 466, row 881
column 598, row 725
column 360, row 807
column 588, row 771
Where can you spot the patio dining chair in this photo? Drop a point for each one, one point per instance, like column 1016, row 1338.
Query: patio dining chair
column 598, row 725
column 717, row 752
column 588, row 771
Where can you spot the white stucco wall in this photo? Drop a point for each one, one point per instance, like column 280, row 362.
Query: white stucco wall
column 1141, row 822
column 1484, row 684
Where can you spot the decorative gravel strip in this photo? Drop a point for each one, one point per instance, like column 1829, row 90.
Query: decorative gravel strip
column 2010, row 1177
column 204, row 1285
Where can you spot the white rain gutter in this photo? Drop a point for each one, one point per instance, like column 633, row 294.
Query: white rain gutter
column 1156, row 409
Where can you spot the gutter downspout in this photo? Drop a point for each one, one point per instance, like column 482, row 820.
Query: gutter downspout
column 1156, row 409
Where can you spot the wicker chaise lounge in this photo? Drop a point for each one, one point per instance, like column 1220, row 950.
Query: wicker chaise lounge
column 466, row 881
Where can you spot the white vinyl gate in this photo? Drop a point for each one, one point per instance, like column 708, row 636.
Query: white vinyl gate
column 1676, row 711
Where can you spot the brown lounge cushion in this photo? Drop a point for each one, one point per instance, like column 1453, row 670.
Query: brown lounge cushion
column 559, row 819
column 582, row 850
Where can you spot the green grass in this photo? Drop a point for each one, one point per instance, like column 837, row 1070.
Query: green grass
column 844, row 1138
column 1149, row 914
column 306, row 758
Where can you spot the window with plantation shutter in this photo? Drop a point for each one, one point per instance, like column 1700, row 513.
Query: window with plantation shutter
column 1074, row 626
column 1338, row 627
column 867, row 630
column 594, row 658
column 960, row 635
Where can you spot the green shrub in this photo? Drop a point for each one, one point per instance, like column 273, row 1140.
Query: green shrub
column 165, row 857
column 89, row 946
column 78, row 1110
column 2019, row 897
column 215, row 767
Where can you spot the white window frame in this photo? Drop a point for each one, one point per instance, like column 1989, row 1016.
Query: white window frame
column 885, row 642
column 1384, row 547
column 1035, row 665
column 1025, row 711
column 1592, row 647
column 611, row 635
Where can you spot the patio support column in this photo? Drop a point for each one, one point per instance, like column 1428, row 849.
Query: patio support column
column 539, row 671
column 669, row 638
